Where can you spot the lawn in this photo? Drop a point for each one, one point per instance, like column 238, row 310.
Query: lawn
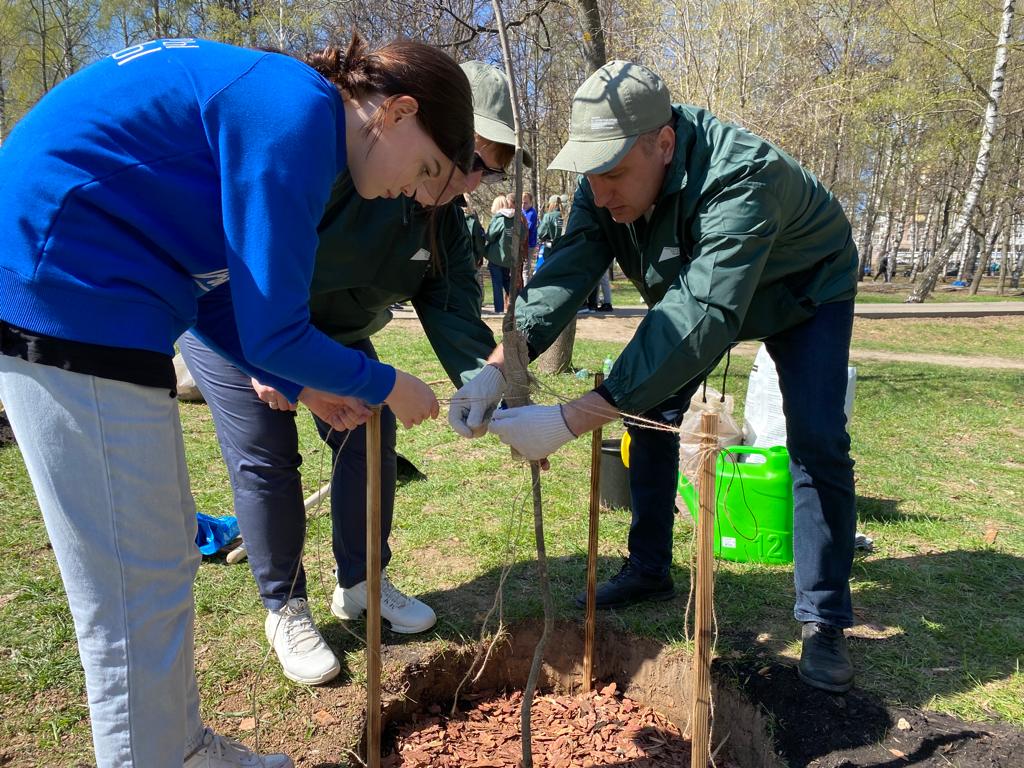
column 939, row 484
column 985, row 336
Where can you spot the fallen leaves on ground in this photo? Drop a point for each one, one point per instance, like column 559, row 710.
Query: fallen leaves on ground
column 583, row 731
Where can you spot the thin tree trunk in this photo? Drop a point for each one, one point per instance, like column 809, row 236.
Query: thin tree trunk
column 970, row 255
column 986, row 254
column 892, row 247
column 1004, row 260
column 558, row 357
column 921, row 242
column 981, row 166
column 871, row 212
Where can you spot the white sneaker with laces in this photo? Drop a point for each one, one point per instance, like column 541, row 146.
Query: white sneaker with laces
column 405, row 615
column 304, row 655
column 218, row 751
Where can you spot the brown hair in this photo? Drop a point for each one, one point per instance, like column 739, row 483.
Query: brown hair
column 408, row 68
column 503, row 153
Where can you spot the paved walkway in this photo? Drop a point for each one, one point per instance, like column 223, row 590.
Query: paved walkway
column 940, row 309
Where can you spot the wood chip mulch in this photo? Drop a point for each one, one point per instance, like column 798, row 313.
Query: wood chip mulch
column 583, row 731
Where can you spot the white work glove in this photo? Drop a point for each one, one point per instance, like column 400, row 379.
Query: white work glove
column 533, row 431
column 473, row 405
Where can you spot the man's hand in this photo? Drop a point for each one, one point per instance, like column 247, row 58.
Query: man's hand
column 533, row 431
column 271, row 397
column 473, row 404
column 411, row 400
column 339, row 411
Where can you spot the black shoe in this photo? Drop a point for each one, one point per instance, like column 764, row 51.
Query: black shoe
column 825, row 659
column 604, row 308
column 630, row 586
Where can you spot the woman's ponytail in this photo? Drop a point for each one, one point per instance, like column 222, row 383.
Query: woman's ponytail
column 408, row 68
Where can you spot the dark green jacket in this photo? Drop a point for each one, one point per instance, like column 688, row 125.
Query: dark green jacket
column 742, row 243
column 550, row 227
column 374, row 253
column 477, row 238
column 499, row 240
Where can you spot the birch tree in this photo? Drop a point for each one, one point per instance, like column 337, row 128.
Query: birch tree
column 981, row 167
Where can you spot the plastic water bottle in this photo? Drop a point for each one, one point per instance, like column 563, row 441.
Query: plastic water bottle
column 582, row 373
column 608, row 365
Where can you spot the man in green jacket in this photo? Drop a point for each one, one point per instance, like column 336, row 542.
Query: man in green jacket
column 727, row 238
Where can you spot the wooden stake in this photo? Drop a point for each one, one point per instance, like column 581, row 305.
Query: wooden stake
column 705, row 584
column 373, row 666
column 595, row 513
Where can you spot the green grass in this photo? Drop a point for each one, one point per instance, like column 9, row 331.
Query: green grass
column 938, row 465
column 980, row 336
column 869, row 292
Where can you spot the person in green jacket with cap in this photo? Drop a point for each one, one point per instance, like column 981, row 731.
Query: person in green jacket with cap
column 727, row 238
column 372, row 254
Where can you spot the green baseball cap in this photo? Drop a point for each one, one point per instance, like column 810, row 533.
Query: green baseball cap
column 610, row 110
column 492, row 105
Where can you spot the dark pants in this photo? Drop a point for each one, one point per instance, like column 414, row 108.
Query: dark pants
column 811, row 360
column 261, row 449
column 501, row 283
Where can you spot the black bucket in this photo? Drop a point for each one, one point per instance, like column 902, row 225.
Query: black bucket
column 614, row 485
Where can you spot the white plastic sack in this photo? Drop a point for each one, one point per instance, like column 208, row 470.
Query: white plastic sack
column 187, row 389
column 764, row 423
column 729, row 432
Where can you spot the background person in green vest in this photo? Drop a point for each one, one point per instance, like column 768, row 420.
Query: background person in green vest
column 372, row 254
column 727, row 238
column 550, row 227
column 500, row 258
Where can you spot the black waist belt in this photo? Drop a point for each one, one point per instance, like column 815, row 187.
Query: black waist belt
column 133, row 366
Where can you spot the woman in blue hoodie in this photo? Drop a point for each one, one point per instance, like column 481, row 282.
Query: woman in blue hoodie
column 177, row 184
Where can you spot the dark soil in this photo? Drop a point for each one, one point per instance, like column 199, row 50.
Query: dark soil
column 6, row 433
column 823, row 730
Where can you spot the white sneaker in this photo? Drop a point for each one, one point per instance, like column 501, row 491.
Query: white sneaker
column 405, row 615
column 304, row 656
column 221, row 752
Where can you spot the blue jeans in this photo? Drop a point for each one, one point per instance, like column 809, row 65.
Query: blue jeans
column 107, row 463
column 501, row 283
column 811, row 360
column 261, row 449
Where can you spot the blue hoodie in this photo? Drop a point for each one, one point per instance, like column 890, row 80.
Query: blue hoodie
column 179, row 183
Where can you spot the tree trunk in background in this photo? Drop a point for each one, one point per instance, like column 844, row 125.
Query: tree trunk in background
column 981, row 166
column 892, row 246
column 971, row 247
column 878, row 257
column 1004, row 262
column 593, row 34
column 998, row 224
column 558, row 358
column 871, row 213
column 921, row 243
